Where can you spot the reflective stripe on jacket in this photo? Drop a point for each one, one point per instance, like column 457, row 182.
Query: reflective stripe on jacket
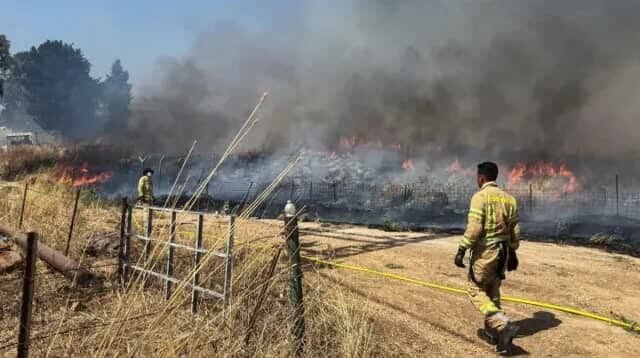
column 493, row 218
column 145, row 188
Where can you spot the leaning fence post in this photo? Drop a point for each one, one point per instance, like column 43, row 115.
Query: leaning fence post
column 73, row 221
column 295, row 288
column 172, row 238
column 123, row 234
column 27, row 295
column 24, row 204
column 228, row 270
column 196, row 265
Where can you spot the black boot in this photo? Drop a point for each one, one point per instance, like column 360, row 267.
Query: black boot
column 488, row 335
column 505, row 338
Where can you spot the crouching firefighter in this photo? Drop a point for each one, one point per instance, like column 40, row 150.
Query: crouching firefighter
column 492, row 235
column 145, row 187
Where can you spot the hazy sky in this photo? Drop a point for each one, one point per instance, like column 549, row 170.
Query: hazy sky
column 136, row 31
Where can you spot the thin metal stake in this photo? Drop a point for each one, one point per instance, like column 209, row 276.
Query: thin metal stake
column 127, row 243
column 24, row 204
column 148, row 231
column 195, row 295
column 228, row 271
column 530, row 199
column 73, row 222
column 172, row 239
column 123, row 234
column 617, row 197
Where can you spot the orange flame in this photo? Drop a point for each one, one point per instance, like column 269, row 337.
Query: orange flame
column 457, row 168
column 517, row 173
column 544, row 171
column 407, row 164
column 82, row 177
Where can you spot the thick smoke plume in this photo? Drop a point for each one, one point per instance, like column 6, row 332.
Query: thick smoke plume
column 487, row 78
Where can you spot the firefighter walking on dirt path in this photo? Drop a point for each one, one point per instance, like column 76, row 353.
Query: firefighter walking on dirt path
column 145, row 187
column 492, row 235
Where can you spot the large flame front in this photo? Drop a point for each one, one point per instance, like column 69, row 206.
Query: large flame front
column 83, row 176
column 544, row 174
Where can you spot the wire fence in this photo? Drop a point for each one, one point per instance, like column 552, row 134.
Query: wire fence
column 416, row 198
column 56, row 298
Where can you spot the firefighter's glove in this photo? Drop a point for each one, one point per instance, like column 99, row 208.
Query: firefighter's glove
column 512, row 264
column 460, row 257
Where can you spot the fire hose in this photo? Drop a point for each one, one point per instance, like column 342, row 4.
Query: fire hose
column 576, row 311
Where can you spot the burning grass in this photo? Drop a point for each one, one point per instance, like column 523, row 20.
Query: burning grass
column 79, row 167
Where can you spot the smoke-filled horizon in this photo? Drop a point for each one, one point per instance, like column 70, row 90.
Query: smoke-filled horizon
column 488, row 77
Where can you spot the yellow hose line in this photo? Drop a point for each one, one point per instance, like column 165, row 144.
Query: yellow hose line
column 630, row 326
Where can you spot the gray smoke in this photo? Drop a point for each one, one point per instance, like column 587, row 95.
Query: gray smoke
column 490, row 77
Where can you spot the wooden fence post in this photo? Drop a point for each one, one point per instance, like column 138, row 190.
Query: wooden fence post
column 295, row 286
column 27, row 295
column 228, row 270
column 123, row 234
column 73, row 221
column 170, row 249
column 24, row 204
column 196, row 277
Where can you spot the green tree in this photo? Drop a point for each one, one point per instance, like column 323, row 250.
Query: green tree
column 116, row 98
column 5, row 61
column 60, row 94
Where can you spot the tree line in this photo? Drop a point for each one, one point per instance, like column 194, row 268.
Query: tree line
column 51, row 84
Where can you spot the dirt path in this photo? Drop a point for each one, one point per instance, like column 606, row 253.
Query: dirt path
column 418, row 321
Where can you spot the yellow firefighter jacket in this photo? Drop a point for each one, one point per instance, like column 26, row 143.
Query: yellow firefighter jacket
column 145, row 189
column 493, row 218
